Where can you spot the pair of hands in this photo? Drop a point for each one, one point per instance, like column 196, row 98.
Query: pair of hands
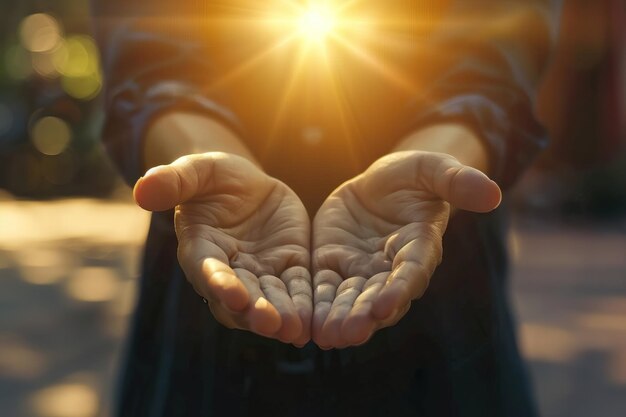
column 246, row 244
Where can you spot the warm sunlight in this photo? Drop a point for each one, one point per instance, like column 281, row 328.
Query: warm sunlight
column 316, row 22
column 310, row 42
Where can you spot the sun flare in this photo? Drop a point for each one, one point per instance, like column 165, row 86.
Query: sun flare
column 310, row 41
column 316, row 22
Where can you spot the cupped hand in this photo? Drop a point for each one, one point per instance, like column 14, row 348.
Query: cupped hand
column 377, row 240
column 243, row 241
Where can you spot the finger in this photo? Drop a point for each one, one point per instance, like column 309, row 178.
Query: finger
column 165, row 186
column 389, row 322
column 298, row 282
column 462, row 186
column 224, row 285
column 360, row 323
column 261, row 316
column 276, row 293
column 325, row 285
column 347, row 293
column 425, row 230
column 405, row 283
column 225, row 317
column 394, row 318
column 413, row 266
column 425, row 248
column 438, row 173
column 206, row 267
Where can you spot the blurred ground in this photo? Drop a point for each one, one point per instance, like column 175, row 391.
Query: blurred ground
column 68, row 270
column 569, row 289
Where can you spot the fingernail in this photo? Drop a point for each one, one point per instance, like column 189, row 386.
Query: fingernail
column 261, row 303
column 154, row 170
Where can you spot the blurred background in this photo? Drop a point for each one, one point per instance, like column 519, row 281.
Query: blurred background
column 71, row 239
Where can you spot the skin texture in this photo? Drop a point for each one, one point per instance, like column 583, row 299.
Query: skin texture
column 243, row 241
column 377, row 240
column 245, row 237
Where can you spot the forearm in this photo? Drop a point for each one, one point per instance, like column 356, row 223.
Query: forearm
column 451, row 138
column 483, row 73
column 177, row 134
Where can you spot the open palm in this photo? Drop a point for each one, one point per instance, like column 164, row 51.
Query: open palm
column 243, row 241
column 377, row 241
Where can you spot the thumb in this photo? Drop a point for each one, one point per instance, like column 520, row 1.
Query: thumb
column 165, row 186
column 465, row 187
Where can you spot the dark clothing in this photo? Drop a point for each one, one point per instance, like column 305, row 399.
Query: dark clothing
column 476, row 62
column 453, row 354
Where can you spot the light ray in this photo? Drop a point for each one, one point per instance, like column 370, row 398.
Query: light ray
column 343, row 110
column 346, row 5
column 286, row 97
column 356, row 35
column 251, row 63
column 394, row 76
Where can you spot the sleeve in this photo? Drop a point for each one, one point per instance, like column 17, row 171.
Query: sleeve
column 485, row 62
column 155, row 59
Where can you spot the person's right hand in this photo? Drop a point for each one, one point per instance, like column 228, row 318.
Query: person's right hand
column 377, row 239
column 243, row 241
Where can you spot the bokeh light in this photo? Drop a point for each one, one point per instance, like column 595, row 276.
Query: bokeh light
column 93, row 284
column 40, row 32
column 19, row 359
column 25, row 224
column 123, row 303
column 77, row 56
column 77, row 59
column 43, row 65
column 51, row 135
column 312, row 135
column 65, row 400
column 43, row 266
column 83, row 88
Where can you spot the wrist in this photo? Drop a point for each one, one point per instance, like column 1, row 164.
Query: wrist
column 176, row 134
column 454, row 139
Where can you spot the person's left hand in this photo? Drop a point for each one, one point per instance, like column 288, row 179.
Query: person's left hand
column 243, row 241
column 377, row 240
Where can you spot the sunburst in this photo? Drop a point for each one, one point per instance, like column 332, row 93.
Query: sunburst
column 316, row 22
column 314, row 33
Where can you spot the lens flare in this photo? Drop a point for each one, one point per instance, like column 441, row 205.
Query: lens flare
column 316, row 22
column 312, row 43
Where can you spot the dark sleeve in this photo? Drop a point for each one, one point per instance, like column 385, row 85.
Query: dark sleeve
column 482, row 69
column 155, row 59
